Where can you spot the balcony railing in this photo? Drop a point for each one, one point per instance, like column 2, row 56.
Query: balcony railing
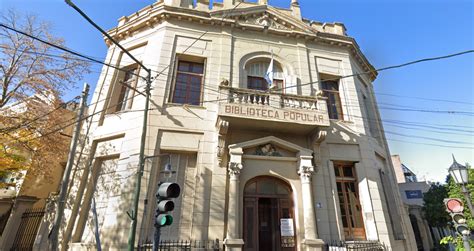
column 261, row 105
column 248, row 96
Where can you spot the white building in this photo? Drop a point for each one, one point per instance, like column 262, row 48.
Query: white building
column 309, row 151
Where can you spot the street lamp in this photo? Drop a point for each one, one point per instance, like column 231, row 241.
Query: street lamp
column 460, row 175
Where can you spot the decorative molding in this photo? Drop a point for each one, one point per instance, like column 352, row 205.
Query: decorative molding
column 266, row 22
column 305, row 173
column 267, row 150
column 224, row 82
column 319, row 136
column 277, row 22
column 222, row 128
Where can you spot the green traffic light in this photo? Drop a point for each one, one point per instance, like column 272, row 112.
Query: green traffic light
column 164, row 220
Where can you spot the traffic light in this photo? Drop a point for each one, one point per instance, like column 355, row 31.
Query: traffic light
column 166, row 192
column 455, row 208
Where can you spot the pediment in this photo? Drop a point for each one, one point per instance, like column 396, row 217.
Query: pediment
column 270, row 146
column 265, row 17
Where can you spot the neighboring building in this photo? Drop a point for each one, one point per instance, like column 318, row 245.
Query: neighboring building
column 412, row 192
column 309, row 151
column 403, row 173
column 21, row 213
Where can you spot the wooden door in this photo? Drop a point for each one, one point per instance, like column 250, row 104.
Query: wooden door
column 349, row 204
column 264, row 207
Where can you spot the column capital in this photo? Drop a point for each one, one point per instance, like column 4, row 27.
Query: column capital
column 234, row 169
column 305, row 173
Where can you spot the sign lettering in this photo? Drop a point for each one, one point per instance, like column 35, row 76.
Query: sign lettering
column 311, row 117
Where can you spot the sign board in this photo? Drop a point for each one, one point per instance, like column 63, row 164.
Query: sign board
column 414, row 194
column 261, row 112
column 287, row 232
column 286, row 227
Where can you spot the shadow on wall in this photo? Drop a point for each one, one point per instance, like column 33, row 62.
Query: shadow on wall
column 113, row 196
column 343, row 133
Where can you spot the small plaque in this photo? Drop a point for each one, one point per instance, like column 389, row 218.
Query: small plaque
column 286, row 227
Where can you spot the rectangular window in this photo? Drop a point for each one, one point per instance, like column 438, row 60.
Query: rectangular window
column 126, row 84
column 331, row 91
column 349, row 204
column 122, row 93
column 257, row 83
column 188, row 85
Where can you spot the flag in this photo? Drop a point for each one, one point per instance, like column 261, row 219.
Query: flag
column 269, row 74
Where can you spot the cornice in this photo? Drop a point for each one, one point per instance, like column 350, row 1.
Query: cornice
column 260, row 18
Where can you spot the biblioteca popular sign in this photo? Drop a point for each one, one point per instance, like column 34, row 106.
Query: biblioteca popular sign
column 260, row 112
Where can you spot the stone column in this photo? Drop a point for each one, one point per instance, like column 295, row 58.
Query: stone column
column 233, row 241
column 305, row 171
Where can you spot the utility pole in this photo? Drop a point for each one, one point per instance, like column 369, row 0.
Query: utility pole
column 141, row 161
column 67, row 170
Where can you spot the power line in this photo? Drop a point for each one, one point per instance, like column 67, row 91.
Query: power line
column 385, row 68
column 427, row 99
column 89, row 58
column 429, row 144
column 63, row 48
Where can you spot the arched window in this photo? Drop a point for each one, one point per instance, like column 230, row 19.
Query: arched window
column 256, row 72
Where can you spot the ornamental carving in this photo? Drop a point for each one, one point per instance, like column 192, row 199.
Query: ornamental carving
column 267, row 150
column 305, row 171
column 234, row 168
column 265, row 21
column 222, row 127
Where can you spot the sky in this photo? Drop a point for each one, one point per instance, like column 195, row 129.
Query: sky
column 413, row 100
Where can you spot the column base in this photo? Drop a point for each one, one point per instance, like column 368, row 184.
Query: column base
column 233, row 244
column 312, row 244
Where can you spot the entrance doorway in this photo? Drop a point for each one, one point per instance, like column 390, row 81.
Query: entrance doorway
column 268, row 215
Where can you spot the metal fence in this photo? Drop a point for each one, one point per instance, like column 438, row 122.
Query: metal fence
column 193, row 245
column 355, row 245
column 30, row 221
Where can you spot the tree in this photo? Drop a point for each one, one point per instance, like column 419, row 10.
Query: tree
column 33, row 76
column 28, row 142
column 28, row 66
column 433, row 205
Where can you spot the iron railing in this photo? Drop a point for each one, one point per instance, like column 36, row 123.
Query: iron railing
column 355, row 245
column 30, row 221
column 192, row 245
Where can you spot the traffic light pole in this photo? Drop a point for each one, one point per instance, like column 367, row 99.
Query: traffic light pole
column 157, row 234
column 465, row 241
column 465, row 237
column 156, row 237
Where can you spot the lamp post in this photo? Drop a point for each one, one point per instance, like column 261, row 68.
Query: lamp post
column 460, row 175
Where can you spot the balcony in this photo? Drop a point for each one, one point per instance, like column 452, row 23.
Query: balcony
column 271, row 110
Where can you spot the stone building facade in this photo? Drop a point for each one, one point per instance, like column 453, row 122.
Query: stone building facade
column 283, row 167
